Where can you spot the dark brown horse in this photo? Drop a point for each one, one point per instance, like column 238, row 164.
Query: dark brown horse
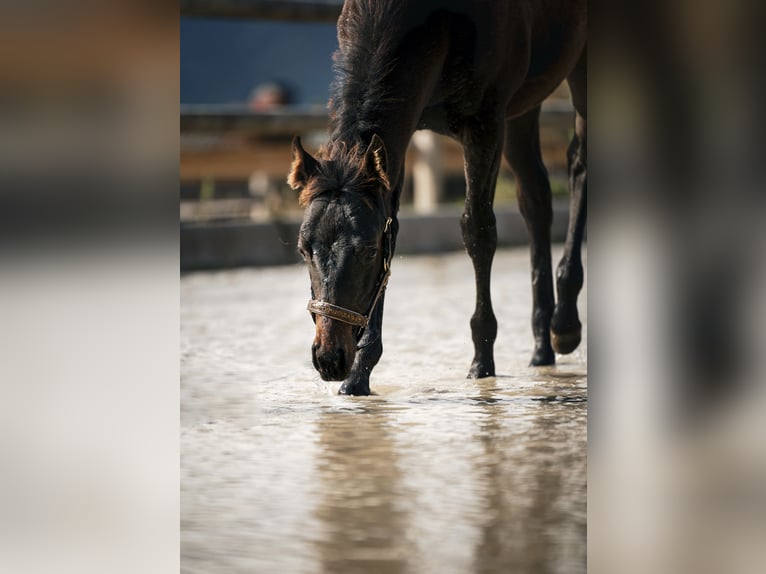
column 476, row 71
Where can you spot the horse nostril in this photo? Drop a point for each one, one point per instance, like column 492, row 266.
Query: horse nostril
column 331, row 363
column 314, row 349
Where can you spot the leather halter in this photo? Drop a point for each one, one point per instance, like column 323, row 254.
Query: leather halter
column 347, row 315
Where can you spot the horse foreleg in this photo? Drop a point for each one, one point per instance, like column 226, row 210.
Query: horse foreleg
column 482, row 147
column 533, row 190
column 371, row 343
column 565, row 325
column 368, row 355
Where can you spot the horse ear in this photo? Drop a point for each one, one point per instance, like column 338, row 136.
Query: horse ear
column 303, row 166
column 376, row 159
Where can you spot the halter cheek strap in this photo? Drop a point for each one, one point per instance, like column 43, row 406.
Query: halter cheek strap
column 348, row 316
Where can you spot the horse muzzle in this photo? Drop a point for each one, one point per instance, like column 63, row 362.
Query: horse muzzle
column 333, row 350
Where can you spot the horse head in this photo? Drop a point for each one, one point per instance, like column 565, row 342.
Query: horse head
column 345, row 240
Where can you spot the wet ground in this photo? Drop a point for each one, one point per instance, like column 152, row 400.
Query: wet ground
column 434, row 474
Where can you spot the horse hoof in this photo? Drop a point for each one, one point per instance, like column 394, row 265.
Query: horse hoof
column 354, row 390
column 481, row 371
column 565, row 343
column 542, row 357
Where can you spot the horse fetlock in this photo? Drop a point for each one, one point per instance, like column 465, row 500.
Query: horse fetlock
column 358, row 381
column 484, row 327
column 569, row 277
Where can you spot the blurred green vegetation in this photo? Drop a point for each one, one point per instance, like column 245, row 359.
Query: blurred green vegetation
column 505, row 192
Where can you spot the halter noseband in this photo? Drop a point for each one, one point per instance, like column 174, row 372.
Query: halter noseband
column 347, row 315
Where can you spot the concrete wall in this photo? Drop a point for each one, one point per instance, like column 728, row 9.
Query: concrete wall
column 226, row 245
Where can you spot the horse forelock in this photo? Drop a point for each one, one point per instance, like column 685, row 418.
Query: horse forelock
column 341, row 169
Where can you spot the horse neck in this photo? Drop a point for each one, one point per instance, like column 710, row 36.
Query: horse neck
column 381, row 94
column 393, row 120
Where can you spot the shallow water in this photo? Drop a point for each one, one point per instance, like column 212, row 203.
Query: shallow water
column 435, row 473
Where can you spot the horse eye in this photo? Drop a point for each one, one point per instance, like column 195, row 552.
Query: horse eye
column 371, row 252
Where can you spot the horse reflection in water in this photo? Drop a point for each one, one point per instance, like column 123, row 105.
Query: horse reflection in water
column 393, row 499
column 363, row 529
column 525, row 529
column 477, row 72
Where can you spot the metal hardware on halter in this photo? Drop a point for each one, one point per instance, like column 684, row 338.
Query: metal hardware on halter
column 347, row 315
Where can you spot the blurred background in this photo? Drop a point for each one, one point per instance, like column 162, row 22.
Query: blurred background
column 256, row 74
column 89, row 294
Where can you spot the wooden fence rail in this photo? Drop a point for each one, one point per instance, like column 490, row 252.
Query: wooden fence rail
column 225, row 119
column 205, row 118
column 294, row 120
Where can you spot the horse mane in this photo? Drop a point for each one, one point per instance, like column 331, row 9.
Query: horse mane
column 343, row 170
column 368, row 35
column 367, row 39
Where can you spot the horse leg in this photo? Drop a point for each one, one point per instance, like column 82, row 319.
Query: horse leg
column 533, row 190
column 368, row 355
column 371, row 344
column 482, row 145
column 565, row 325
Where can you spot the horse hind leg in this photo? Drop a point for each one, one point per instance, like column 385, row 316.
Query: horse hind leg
column 533, row 190
column 565, row 324
column 482, row 145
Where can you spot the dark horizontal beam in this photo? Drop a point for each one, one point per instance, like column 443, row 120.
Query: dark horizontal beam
column 294, row 119
column 220, row 119
column 291, row 10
